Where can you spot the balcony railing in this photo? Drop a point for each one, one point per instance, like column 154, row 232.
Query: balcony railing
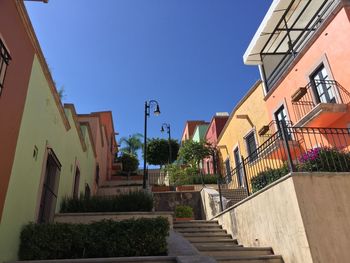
column 294, row 149
column 305, row 99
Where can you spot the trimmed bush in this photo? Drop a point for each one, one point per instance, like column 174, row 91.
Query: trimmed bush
column 208, row 179
column 107, row 238
column 183, row 211
column 132, row 202
column 267, row 177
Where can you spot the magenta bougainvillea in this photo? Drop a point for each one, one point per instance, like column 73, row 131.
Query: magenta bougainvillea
column 310, row 155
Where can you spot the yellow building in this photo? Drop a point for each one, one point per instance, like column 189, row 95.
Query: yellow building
column 240, row 135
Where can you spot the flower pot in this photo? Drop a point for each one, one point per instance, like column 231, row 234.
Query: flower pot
column 160, row 188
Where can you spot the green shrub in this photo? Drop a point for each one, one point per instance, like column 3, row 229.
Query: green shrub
column 267, row 177
column 129, row 162
column 132, row 202
column 107, row 238
column 183, row 211
column 208, row 179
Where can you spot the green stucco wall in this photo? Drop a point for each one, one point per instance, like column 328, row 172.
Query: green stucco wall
column 200, row 132
column 41, row 126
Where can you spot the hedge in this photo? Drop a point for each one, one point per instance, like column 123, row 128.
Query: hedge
column 183, row 211
column 132, row 202
column 267, row 177
column 107, row 238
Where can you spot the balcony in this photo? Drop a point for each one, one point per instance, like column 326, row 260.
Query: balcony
column 320, row 103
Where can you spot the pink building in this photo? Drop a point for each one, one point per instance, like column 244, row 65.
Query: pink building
column 215, row 127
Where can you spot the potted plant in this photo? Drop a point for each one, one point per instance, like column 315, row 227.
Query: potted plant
column 183, row 213
column 160, row 188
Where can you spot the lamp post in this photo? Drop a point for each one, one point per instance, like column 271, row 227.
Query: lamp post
column 167, row 127
column 148, row 105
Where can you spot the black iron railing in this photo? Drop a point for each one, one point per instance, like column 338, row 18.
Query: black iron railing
column 305, row 99
column 294, row 149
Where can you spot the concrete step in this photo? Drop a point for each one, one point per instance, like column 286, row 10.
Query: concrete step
column 209, row 237
column 215, row 241
column 161, row 259
column 235, row 251
column 195, row 227
column 197, row 221
column 254, row 259
column 201, row 230
column 214, row 245
column 205, row 225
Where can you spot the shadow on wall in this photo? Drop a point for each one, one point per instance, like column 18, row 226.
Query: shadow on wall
column 167, row 201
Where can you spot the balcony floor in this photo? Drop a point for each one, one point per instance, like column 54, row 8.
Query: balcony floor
column 323, row 115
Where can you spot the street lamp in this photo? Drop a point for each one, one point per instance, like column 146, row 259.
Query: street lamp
column 167, row 127
column 148, row 105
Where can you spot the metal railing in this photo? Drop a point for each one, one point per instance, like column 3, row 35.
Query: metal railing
column 307, row 98
column 294, row 149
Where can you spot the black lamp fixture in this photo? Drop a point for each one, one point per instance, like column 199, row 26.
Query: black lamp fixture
column 167, row 127
column 156, row 112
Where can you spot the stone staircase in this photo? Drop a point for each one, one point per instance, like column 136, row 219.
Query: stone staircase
column 234, row 195
column 210, row 239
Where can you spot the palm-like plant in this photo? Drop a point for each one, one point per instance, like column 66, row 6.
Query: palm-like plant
column 131, row 144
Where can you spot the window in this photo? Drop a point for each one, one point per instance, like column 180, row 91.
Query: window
column 282, row 121
column 228, row 171
column 97, row 178
column 239, row 167
column 323, row 87
column 50, row 189
column 208, row 167
column 4, row 62
column 251, row 146
column 76, row 183
column 87, row 191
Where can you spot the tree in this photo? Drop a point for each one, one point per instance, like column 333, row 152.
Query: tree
column 192, row 152
column 129, row 162
column 158, row 151
column 132, row 143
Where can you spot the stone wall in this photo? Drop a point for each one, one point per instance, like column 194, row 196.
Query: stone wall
column 304, row 217
column 167, row 201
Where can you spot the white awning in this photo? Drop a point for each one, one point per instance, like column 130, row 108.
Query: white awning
column 298, row 15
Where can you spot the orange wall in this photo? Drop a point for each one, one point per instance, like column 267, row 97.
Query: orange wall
column 12, row 99
column 332, row 45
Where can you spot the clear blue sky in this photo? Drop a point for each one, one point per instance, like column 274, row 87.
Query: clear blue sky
column 115, row 54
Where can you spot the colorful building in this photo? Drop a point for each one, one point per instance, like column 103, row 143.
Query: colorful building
column 200, row 131
column 189, row 129
column 215, row 127
column 240, row 135
column 47, row 151
column 300, row 48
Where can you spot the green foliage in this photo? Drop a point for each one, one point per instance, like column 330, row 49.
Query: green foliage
column 188, row 175
column 132, row 202
column 267, row 177
column 131, row 144
column 177, row 175
column 183, row 211
column 130, row 162
column 192, row 152
column 107, row 238
column 208, row 179
column 158, row 151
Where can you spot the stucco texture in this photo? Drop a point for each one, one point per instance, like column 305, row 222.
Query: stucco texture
column 232, row 136
column 330, row 48
column 41, row 126
column 303, row 217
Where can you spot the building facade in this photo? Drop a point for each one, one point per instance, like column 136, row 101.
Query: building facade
column 215, row 127
column 47, row 152
column 239, row 138
column 189, row 129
